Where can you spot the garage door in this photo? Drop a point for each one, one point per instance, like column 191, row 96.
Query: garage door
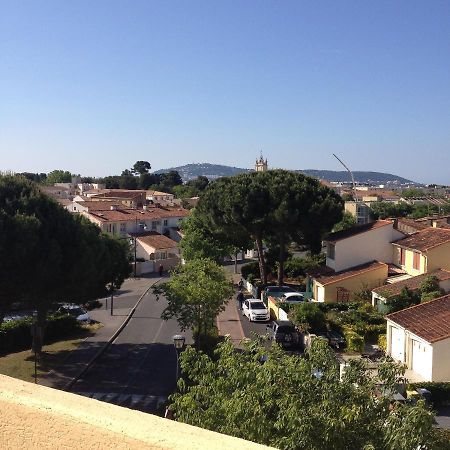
column 398, row 344
column 421, row 359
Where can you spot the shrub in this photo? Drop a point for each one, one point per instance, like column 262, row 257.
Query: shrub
column 310, row 314
column 355, row 342
column 428, row 296
column 16, row 335
column 382, row 341
column 252, row 269
column 325, row 307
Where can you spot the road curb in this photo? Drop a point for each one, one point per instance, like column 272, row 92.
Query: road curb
column 100, row 351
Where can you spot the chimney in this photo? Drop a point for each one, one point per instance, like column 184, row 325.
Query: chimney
column 113, row 207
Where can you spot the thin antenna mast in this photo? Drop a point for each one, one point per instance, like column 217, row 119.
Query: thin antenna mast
column 353, row 179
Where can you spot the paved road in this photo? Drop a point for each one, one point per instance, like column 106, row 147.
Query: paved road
column 139, row 368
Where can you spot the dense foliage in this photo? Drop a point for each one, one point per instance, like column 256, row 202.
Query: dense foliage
column 277, row 207
column 16, row 335
column 67, row 257
column 293, row 402
column 196, row 293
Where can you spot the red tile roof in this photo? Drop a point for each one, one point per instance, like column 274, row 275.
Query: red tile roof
column 333, row 277
column 430, row 321
column 339, row 235
column 129, row 214
column 157, row 241
column 423, row 240
column 413, row 283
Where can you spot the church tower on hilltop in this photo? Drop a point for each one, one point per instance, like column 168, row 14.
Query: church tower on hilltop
column 261, row 164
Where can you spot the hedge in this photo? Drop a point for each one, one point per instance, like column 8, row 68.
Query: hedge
column 440, row 391
column 16, row 335
column 355, row 342
column 325, row 307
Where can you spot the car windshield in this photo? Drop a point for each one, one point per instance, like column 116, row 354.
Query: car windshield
column 286, row 329
column 294, row 298
column 258, row 305
column 279, row 289
column 75, row 311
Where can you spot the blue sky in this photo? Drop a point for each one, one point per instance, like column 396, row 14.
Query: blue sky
column 92, row 86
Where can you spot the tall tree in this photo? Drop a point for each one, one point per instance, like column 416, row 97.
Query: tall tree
column 196, row 293
column 67, row 256
column 295, row 403
column 276, row 206
column 59, row 176
column 141, row 167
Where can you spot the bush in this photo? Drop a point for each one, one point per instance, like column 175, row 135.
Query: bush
column 440, row 391
column 252, row 269
column 382, row 342
column 310, row 314
column 16, row 335
column 325, row 307
column 355, row 342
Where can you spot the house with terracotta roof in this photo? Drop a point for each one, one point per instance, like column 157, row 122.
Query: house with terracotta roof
column 419, row 337
column 361, row 244
column 120, row 221
column 128, row 197
column 381, row 295
column 357, row 259
column 155, row 249
column 162, row 198
column 424, row 251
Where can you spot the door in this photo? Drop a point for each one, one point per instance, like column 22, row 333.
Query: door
column 421, row 359
column 398, row 344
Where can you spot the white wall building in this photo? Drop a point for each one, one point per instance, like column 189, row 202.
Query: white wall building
column 361, row 244
column 419, row 337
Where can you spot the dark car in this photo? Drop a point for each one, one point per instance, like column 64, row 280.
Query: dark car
column 284, row 333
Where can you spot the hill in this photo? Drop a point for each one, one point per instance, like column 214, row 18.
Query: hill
column 360, row 176
column 212, row 171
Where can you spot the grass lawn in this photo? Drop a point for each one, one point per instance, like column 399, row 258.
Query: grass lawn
column 21, row 364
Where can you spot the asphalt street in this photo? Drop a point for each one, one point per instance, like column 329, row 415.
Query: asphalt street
column 138, row 370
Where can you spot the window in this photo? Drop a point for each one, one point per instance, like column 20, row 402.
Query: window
column 402, row 256
column 123, row 227
column 154, row 224
column 166, row 222
column 331, row 251
column 416, row 260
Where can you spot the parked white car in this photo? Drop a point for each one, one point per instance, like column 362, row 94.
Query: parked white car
column 76, row 311
column 255, row 310
column 292, row 297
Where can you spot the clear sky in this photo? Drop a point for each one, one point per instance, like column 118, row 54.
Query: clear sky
column 92, row 86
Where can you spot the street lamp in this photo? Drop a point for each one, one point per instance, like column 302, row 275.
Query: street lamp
column 178, row 342
column 35, row 328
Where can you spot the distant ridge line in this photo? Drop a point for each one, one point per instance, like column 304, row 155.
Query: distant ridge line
column 212, row 171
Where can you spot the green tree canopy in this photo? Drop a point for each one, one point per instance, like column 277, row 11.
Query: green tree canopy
column 308, row 317
column 199, row 242
column 276, row 206
column 295, row 403
column 58, row 176
column 196, row 293
column 348, row 221
column 68, row 258
column 141, row 167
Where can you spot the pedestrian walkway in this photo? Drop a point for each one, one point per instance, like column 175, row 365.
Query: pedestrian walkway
column 91, row 348
column 228, row 321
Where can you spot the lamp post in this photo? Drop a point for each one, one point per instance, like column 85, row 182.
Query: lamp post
column 178, row 342
column 35, row 328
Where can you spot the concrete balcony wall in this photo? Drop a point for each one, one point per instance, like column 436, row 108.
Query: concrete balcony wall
column 38, row 417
